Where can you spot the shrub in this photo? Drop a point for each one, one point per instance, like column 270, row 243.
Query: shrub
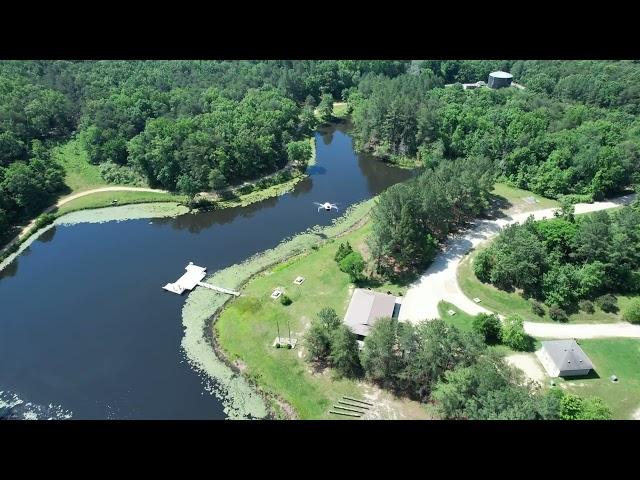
column 482, row 266
column 44, row 219
column 353, row 264
column 488, row 326
column 571, row 407
column 607, row 303
column 632, row 312
column 594, row 408
column 537, row 308
column 202, row 204
column 586, row 306
column 284, row 300
column 344, row 352
column 343, row 250
column 120, row 174
column 557, row 314
column 513, row 335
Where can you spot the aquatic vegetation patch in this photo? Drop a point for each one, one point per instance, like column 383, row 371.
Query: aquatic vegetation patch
column 12, row 407
column 122, row 213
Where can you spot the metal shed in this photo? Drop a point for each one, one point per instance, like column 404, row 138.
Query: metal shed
column 366, row 307
column 564, row 358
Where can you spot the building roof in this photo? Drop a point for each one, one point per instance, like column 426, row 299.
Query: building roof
column 567, row 355
column 500, row 74
column 365, row 308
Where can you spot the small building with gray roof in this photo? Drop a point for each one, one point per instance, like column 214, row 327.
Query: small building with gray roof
column 564, row 358
column 366, row 307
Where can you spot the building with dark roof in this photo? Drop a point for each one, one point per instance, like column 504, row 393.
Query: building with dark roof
column 564, row 358
column 366, row 307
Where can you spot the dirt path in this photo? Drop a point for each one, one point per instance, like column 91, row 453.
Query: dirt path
column 440, row 281
column 74, row 196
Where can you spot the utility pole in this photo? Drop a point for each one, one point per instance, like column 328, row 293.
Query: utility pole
column 278, row 327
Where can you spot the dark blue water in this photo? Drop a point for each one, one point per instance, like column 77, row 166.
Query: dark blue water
column 85, row 325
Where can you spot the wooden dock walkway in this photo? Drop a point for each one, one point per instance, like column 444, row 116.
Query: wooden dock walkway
column 218, row 289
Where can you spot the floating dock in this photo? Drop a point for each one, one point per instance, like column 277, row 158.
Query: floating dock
column 191, row 279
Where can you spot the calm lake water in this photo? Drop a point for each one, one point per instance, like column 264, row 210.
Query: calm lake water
column 85, row 327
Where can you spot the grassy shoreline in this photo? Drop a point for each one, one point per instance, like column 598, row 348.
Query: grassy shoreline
column 287, row 384
column 80, row 175
column 203, row 307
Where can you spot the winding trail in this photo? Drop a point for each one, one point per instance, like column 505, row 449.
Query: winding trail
column 440, row 281
column 64, row 200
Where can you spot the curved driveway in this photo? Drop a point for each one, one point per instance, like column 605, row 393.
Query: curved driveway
column 440, row 282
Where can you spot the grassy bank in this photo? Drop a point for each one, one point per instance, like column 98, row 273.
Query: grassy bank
column 80, row 174
column 247, row 327
column 507, row 303
column 302, row 389
column 616, row 356
column 105, row 199
column 516, row 200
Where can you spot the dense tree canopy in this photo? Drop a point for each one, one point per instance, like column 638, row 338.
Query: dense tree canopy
column 551, row 145
column 563, row 262
column 181, row 125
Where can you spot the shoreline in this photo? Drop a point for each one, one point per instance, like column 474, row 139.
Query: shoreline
column 13, row 248
column 203, row 307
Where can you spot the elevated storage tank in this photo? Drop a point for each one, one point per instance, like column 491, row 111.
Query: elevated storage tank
column 499, row 79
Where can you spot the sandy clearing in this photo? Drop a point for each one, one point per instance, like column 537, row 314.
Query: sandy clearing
column 529, row 364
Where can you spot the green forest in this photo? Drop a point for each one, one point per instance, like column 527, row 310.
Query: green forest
column 568, row 262
column 190, row 126
column 571, row 140
column 185, row 126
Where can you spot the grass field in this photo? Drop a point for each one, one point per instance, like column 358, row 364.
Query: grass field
column 507, row 303
column 517, row 200
column 461, row 319
column 340, row 109
column 104, row 199
column 79, row 173
column 619, row 357
column 247, row 327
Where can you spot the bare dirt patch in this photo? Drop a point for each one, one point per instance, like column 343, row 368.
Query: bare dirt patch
column 529, row 364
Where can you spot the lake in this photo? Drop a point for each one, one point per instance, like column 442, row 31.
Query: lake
column 86, row 330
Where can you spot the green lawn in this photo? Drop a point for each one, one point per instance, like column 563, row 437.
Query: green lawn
column 461, row 319
column 247, row 327
column 79, row 173
column 516, row 200
column 340, row 109
column 104, row 199
column 507, row 303
column 619, row 357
